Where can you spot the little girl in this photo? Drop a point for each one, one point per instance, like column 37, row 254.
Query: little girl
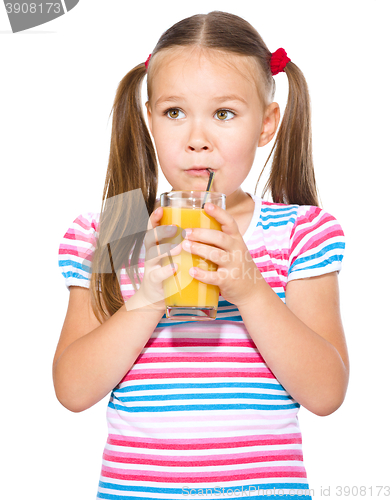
column 206, row 409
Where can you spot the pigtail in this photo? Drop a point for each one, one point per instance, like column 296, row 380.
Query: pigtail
column 132, row 165
column 292, row 178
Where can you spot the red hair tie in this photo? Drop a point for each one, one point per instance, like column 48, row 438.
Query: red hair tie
column 148, row 60
column 278, row 61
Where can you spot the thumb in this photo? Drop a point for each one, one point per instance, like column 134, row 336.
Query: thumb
column 155, row 217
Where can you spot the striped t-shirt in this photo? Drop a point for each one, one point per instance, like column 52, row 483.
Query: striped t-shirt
column 200, row 414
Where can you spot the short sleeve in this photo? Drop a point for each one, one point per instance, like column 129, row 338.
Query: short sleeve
column 317, row 244
column 76, row 250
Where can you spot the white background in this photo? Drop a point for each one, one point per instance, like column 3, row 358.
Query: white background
column 57, row 87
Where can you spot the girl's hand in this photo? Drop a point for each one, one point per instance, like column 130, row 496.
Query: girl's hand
column 151, row 288
column 237, row 274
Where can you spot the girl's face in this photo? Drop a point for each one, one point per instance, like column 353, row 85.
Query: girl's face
column 204, row 113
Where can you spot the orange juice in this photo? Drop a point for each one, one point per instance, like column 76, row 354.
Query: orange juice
column 182, row 289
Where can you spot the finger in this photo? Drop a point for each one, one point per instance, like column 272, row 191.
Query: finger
column 211, row 237
column 161, row 273
column 227, row 221
column 216, row 255
column 158, row 252
column 153, row 222
column 209, row 277
column 154, row 219
column 158, row 234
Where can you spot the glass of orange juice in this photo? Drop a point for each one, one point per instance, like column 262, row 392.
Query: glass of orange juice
column 187, row 298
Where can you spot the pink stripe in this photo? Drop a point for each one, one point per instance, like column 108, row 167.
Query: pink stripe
column 273, row 204
column 311, row 213
column 77, row 251
column 89, row 224
column 320, row 238
column 83, row 223
column 300, row 233
column 197, row 372
column 72, row 234
column 274, row 283
column 258, row 253
column 302, row 220
column 266, row 267
column 281, row 269
column 199, row 342
column 202, row 477
column 199, row 357
column 214, row 460
column 204, row 443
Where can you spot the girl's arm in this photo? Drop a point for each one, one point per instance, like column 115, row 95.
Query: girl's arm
column 91, row 358
column 303, row 341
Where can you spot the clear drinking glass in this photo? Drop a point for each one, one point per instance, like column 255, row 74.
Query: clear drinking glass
column 187, row 298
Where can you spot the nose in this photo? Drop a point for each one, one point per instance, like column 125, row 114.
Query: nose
column 199, row 139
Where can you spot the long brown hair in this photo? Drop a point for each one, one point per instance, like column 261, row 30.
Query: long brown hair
column 133, row 164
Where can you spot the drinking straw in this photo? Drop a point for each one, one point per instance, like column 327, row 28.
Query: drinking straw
column 211, row 178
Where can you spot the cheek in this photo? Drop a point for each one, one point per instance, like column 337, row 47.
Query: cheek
column 161, row 139
column 240, row 147
column 164, row 135
column 167, row 149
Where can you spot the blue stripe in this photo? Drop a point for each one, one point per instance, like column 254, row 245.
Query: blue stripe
column 217, row 491
column 178, row 491
column 323, row 251
column 74, row 264
column 218, row 385
column 156, row 409
column 177, row 323
column 224, row 303
column 321, row 264
column 276, row 224
column 280, row 215
column 289, row 209
column 173, row 397
column 70, row 274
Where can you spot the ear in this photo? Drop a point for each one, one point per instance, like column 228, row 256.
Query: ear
column 270, row 123
column 149, row 116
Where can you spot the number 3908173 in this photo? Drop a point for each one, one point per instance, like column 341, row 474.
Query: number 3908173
column 368, row 491
column 33, row 8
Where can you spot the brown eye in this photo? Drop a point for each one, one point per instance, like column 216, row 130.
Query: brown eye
column 224, row 115
column 174, row 113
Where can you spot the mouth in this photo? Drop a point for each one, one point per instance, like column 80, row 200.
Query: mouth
column 199, row 171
